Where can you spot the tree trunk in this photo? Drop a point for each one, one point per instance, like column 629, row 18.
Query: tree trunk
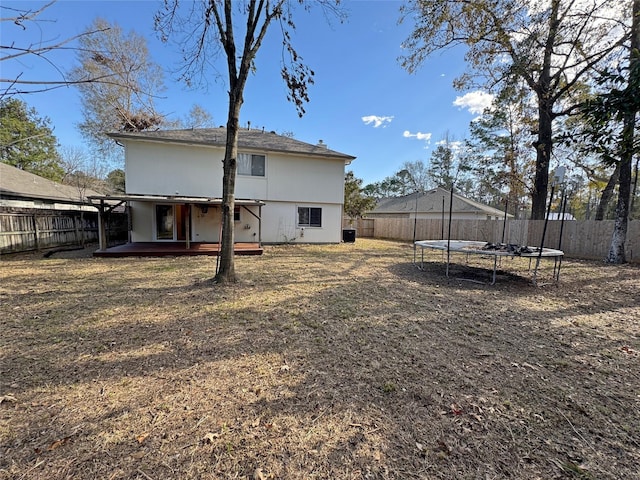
column 226, row 272
column 634, row 189
column 543, row 154
column 607, row 193
column 543, row 143
column 619, row 237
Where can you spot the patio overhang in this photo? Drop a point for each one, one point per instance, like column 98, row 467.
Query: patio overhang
column 97, row 200
column 108, row 203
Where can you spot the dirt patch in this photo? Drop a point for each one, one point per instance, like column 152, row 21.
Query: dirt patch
column 340, row 361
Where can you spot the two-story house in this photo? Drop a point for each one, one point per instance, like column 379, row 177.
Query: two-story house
column 286, row 190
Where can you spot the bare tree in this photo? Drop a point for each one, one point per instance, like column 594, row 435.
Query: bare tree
column 16, row 54
column 83, row 172
column 210, row 28
column 127, row 104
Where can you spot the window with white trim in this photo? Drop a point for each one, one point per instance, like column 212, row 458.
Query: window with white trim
column 250, row 164
column 309, row 216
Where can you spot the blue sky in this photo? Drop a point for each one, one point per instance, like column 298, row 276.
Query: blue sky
column 362, row 103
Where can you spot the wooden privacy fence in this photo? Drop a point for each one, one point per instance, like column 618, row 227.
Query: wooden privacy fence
column 21, row 232
column 363, row 226
column 580, row 239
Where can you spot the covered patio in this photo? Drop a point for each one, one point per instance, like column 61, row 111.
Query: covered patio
column 183, row 245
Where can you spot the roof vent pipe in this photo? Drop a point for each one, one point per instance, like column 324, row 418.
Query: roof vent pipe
column 321, row 144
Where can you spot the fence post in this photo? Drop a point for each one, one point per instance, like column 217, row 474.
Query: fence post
column 36, row 232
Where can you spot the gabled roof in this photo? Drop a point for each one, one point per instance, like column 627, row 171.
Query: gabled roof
column 252, row 139
column 16, row 183
column 431, row 202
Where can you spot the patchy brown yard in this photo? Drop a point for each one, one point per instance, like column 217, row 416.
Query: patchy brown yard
column 332, row 362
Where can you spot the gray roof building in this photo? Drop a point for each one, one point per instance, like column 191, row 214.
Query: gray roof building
column 22, row 189
column 432, row 204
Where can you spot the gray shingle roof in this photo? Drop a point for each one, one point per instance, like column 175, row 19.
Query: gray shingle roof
column 249, row 139
column 431, row 201
column 18, row 183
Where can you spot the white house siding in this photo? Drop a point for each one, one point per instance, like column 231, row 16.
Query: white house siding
column 296, row 179
column 205, row 224
column 154, row 168
column 280, row 223
column 142, row 222
column 164, row 169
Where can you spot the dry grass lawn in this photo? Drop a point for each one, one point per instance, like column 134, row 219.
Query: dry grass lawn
column 324, row 362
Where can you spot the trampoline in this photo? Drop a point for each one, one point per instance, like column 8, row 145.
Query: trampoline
column 471, row 247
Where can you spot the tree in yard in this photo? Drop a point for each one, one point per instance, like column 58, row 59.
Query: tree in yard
column 607, row 125
column 391, row 186
column 448, row 166
column 498, row 151
column 412, row 177
column 115, row 181
column 27, row 141
column 356, row 203
column 416, row 176
column 211, row 27
column 552, row 46
column 127, row 102
column 442, row 165
column 612, row 117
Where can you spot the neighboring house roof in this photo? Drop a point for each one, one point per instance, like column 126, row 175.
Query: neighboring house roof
column 247, row 139
column 16, row 183
column 431, row 202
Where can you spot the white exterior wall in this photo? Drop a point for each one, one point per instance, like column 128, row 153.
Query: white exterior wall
column 142, row 218
column 165, row 169
column 280, row 223
column 290, row 181
column 298, row 179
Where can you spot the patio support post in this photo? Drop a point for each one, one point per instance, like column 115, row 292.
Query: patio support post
column 260, row 225
column 102, row 234
column 187, row 225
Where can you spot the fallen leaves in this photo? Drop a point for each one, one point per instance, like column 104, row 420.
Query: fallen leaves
column 7, row 399
column 209, row 438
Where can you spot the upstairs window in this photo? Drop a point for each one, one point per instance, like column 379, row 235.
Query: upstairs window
column 249, row 164
column 309, row 217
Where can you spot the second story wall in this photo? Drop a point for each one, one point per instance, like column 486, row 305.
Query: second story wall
column 154, row 168
column 308, row 179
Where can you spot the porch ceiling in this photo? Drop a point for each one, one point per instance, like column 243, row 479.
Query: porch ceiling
column 177, row 199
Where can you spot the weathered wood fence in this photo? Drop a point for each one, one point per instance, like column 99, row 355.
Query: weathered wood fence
column 21, row 232
column 35, row 231
column 580, row 239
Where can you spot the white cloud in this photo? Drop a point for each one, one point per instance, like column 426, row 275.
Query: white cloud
column 418, row 135
column 454, row 145
column 377, row 120
column 475, row 102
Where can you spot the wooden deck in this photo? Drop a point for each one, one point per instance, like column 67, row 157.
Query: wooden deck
column 163, row 249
